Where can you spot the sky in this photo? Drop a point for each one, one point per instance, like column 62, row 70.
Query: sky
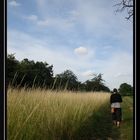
column 84, row 36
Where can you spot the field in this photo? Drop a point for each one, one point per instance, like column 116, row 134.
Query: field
column 48, row 115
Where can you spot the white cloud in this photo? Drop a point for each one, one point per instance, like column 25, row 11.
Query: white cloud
column 94, row 16
column 36, row 20
column 40, row 50
column 43, row 23
column 32, row 17
column 107, row 47
column 14, row 3
column 118, row 69
column 74, row 15
column 41, row 3
column 81, row 50
column 88, row 74
column 56, row 23
column 118, row 75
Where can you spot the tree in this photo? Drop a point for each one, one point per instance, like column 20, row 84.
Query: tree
column 125, row 5
column 66, row 80
column 36, row 73
column 96, row 84
column 126, row 89
column 29, row 73
column 12, row 68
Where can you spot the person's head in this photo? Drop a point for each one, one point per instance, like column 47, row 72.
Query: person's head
column 115, row 90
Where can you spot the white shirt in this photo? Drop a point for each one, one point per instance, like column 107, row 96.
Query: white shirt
column 116, row 105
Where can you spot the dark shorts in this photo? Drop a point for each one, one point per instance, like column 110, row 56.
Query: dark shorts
column 117, row 115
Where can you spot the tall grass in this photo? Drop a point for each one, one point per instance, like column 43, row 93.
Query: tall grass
column 38, row 114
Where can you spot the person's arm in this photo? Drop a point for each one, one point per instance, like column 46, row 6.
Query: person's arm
column 110, row 99
column 120, row 98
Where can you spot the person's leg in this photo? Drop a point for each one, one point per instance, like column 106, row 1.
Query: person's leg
column 118, row 116
column 114, row 117
column 118, row 123
column 114, row 122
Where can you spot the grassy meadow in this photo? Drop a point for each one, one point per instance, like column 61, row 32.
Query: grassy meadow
column 39, row 114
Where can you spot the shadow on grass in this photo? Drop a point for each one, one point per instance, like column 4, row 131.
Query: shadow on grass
column 98, row 127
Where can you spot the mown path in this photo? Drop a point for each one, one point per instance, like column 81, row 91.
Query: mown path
column 126, row 128
column 100, row 127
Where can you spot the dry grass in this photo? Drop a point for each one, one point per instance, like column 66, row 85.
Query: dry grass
column 39, row 114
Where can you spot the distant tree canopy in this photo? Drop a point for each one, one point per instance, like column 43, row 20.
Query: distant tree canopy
column 126, row 89
column 12, row 67
column 66, row 80
column 27, row 73
column 96, row 84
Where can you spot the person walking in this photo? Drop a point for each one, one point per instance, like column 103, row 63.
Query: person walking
column 116, row 100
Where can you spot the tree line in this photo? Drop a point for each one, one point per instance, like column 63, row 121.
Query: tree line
column 30, row 74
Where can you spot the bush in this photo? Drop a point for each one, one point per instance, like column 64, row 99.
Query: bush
column 126, row 89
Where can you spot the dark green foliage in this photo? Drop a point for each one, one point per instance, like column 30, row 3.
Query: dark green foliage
column 27, row 73
column 66, row 80
column 126, row 89
column 12, row 67
column 96, row 84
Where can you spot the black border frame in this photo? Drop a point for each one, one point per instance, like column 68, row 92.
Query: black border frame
column 2, row 70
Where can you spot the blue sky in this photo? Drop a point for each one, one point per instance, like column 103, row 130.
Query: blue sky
column 85, row 36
